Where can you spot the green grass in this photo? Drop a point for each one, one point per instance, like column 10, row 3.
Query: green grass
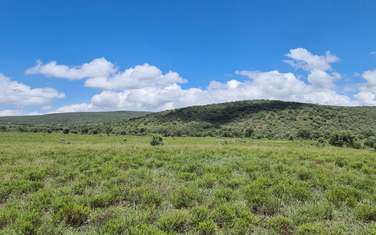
column 76, row 184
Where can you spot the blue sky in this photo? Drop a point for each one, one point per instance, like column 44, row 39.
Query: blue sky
column 216, row 51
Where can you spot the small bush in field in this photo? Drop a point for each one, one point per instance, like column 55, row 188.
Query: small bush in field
column 175, row 221
column 73, row 215
column 366, row 212
column 200, row 214
column 309, row 229
column 144, row 196
column 156, row 140
column 282, row 225
column 185, row 197
column 224, row 214
column 206, row 227
column 145, row 229
column 343, row 196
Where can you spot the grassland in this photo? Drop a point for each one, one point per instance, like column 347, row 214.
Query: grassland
column 77, row 184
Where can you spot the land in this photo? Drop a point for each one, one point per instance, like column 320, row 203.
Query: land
column 54, row 183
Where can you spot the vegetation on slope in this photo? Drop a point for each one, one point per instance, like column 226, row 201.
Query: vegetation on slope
column 82, row 184
column 77, row 122
column 340, row 126
column 259, row 119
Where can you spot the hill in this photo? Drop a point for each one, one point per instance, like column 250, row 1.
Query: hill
column 260, row 119
column 256, row 119
column 57, row 121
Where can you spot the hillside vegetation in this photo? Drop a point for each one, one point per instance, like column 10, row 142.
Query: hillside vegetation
column 95, row 184
column 340, row 126
column 259, row 119
column 60, row 121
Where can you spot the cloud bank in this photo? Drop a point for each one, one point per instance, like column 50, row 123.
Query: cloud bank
column 145, row 87
column 19, row 95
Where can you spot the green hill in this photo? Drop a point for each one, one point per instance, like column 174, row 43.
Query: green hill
column 58, row 121
column 256, row 119
column 260, row 119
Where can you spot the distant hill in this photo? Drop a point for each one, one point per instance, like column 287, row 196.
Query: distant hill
column 68, row 120
column 257, row 119
column 260, row 118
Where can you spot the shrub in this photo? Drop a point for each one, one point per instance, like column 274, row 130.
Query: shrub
column 206, row 227
column 200, row 214
column 144, row 196
column 28, row 223
column 223, row 194
column 156, row 140
column 366, row 212
column 175, row 221
column 344, row 139
column 260, row 199
column 102, row 200
column 343, row 196
column 313, row 212
column 224, row 214
column 321, row 141
column 309, row 229
column 371, row 142
column 185, row 197
column 73, row 215
column 282, row 225
column 304, row 134
column 146, row 229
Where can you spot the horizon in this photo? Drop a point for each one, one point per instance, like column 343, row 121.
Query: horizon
column 81, row 56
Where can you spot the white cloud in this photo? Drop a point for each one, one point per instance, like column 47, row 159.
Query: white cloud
column 146, row 87
column 367, row 93
column 304, row 59
column 140, row 76
column 15, row 93
column 10, row 112
column 99, row 67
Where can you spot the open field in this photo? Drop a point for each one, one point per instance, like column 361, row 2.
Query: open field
column 76, row 184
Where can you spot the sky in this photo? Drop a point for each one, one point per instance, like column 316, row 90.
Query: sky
column 78, row 55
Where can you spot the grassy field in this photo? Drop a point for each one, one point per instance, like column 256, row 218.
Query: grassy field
column 75, row 184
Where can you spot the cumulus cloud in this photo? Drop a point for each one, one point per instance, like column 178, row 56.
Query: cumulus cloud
column 304, row 59
column 146, row 87
column 140, row 76
column 367, row 93
column 99, row 67
column 10, row 112
column 19, row 94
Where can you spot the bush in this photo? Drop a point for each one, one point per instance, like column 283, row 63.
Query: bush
column 260, row 199
column 206, row 227
column 304, row 134
column 200, row 214
column 144, row 196
column 371, row 142
column 224, row 214
column 309, row 229
column 73, row 215
column 281, row 224
column 343, row 196
column 175, row 221
column 344, row 139
column 185, row 197
column 366, row 212
column 156, row 140
column 146, row 229
column 313, row 212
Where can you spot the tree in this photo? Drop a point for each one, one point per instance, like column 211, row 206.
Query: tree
column 156, row 140
column 344, row 139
